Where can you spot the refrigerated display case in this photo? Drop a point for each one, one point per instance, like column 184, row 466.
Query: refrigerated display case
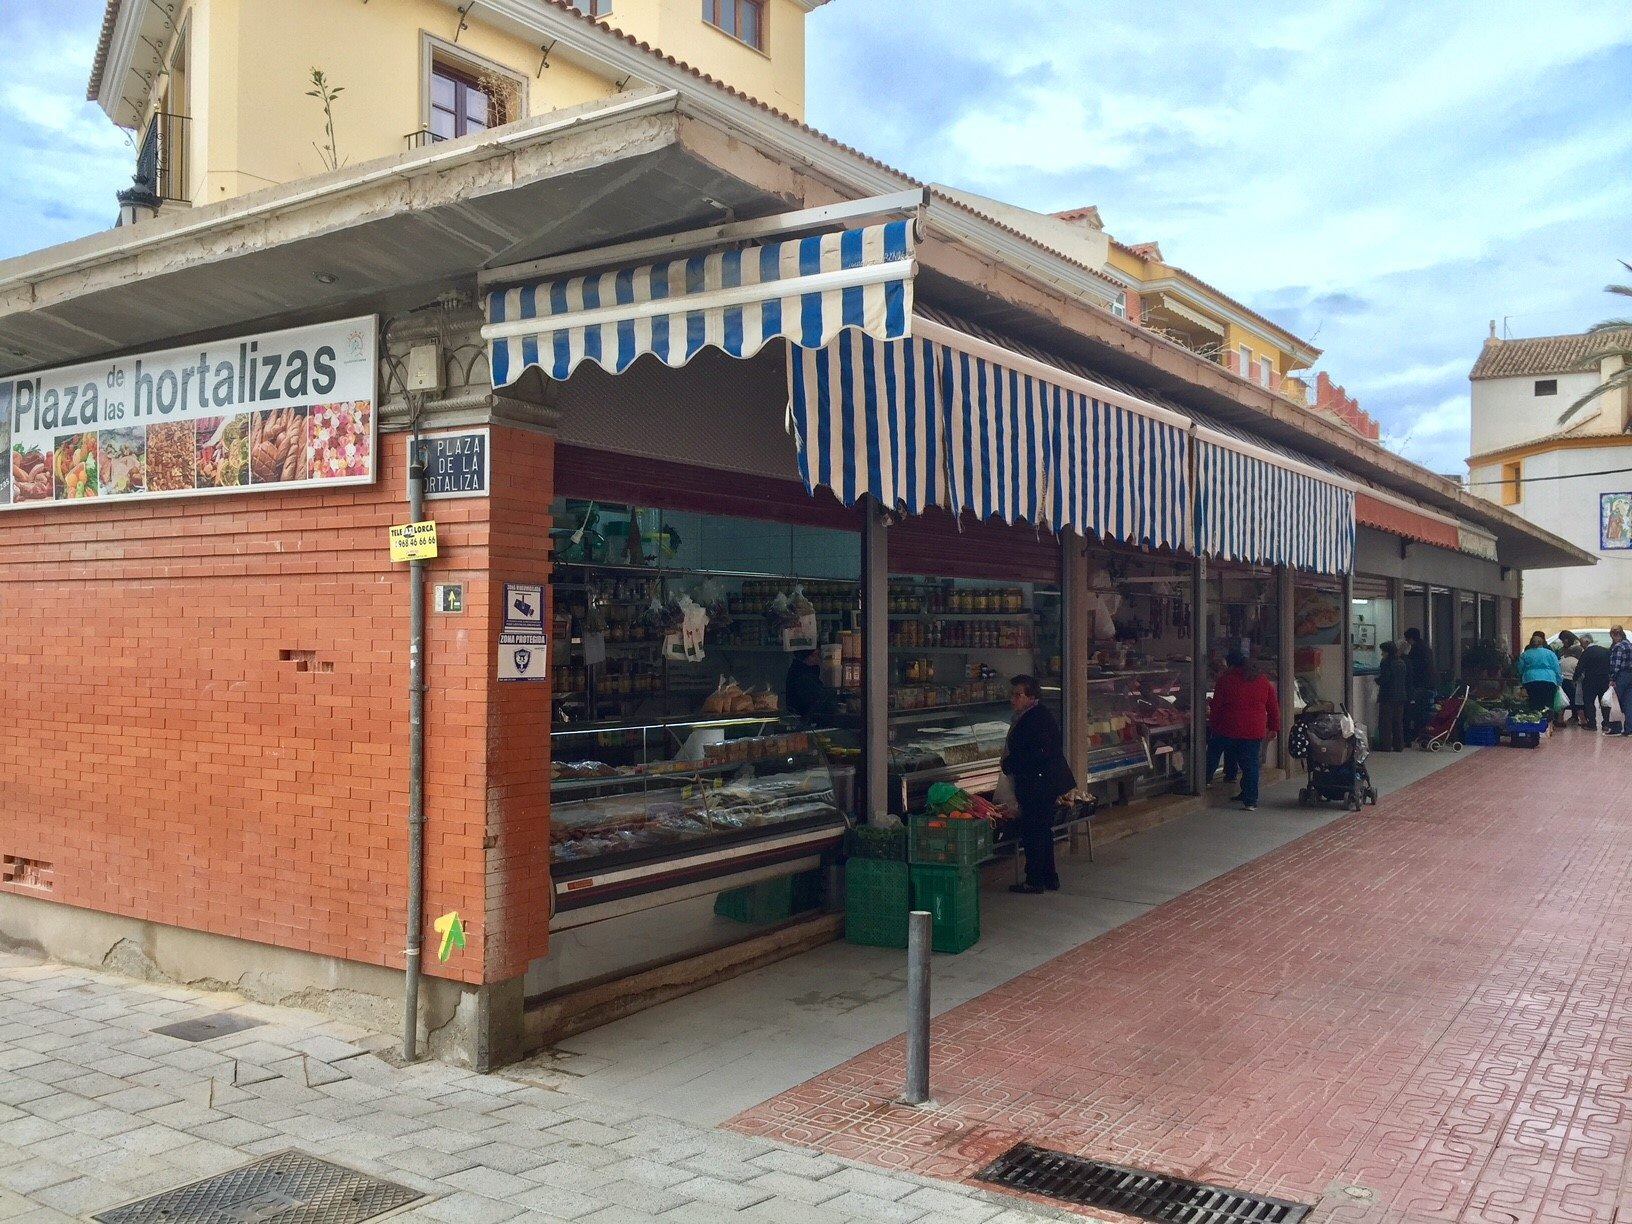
column 1137, row 692
column 636, row 809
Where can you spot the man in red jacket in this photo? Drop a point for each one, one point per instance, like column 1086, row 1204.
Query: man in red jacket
column 1245, row 711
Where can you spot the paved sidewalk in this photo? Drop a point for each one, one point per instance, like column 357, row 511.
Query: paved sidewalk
column 96, row 1109
column 1422, row 1012
column 713, row 1054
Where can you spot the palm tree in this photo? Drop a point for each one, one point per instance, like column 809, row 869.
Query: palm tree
column 1618, row 343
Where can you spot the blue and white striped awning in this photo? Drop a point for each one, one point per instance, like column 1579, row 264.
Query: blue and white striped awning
column 1257, row 505
column 954, row 420
column 805, row 290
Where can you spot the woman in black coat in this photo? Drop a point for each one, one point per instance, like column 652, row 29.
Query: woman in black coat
column 1034, row 759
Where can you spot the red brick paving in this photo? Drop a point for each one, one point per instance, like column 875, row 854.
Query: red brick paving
column 1431, row 1000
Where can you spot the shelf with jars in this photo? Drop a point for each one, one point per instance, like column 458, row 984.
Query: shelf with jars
column 954, row 646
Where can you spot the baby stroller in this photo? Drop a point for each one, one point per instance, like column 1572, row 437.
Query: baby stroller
column 1334, row 752
column 1442, row 725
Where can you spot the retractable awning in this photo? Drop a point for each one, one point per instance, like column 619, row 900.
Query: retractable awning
column 738, row 299
column 1257, row 504
column 950, row 418
column 1175, row 306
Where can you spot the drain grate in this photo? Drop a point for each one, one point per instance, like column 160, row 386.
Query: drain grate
column 288, row 1188
column 202, row 1028
column 1134, row 1192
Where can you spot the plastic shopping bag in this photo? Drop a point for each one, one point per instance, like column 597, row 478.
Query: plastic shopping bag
column 1560, row 702
column 1004, row 796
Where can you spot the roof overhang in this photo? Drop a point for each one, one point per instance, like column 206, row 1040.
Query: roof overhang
column 131, row 56
column 401, row 231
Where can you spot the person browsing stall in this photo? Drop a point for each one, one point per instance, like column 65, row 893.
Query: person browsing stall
column 1034, row 760
column 1592, row 679
column 1245, row 711
column 1423, row 680
column 1620, row 674
column 1393, row 694
column 1540, row 673
column 1569, row 662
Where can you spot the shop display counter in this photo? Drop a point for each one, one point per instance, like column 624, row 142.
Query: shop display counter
column 640, row 809
column 1137, row 729
column 962, row 745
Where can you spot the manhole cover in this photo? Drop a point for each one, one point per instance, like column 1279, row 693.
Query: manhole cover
column 203, row 1028
column 289, row 1188
column 1134, row 1192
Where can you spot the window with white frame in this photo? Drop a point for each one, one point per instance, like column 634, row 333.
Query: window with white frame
column 1243, row 358
column 1266, row 371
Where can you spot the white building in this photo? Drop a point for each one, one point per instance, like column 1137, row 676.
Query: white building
column 1528, row 433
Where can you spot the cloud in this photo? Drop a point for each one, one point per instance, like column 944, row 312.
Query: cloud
column 67, row 159
column 1381, row 178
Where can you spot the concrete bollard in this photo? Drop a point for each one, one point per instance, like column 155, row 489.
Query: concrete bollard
column 919, row 930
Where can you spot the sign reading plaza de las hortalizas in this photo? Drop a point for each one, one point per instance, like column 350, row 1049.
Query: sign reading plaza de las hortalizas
column 272, row 411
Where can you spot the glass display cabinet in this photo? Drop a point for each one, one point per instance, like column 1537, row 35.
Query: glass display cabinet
column 638, row 808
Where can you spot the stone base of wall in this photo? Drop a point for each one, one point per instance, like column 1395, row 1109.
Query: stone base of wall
column 470, row 1026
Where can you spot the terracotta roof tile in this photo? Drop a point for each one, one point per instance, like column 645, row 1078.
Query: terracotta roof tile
column 1544, row 354
column 103, row 41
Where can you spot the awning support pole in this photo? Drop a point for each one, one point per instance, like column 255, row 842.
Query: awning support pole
column 1348, row 642
column 875, row 656
column 1285, row 649
column 1074, row 666
column 1198, row 677
column 416, row 763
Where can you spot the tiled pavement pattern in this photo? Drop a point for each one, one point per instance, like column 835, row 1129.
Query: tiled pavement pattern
column 96, row 1109
column 1423, row 1012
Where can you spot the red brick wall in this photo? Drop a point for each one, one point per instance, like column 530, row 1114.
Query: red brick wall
column 518, row 784
column 170, row 764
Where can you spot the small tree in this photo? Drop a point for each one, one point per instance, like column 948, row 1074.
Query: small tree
column 1617, row 335
column 326, row 94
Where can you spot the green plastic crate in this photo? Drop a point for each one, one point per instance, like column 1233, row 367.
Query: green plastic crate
column 875, row 903
column 809, row 889
column 871, row 842
column 767, row 901
column 952, row 897
column 948, row 843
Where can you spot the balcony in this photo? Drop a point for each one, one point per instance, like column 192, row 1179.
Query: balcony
column 161, row 168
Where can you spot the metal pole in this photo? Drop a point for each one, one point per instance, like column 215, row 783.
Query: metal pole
column 875, row 654
column 416, row 763
column 1198, row 677
column 1074, row 664
column 1286, row 650
column 1348, row 642
column 918, row 943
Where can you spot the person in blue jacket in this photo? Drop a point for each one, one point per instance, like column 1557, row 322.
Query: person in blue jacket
column 1540, row 673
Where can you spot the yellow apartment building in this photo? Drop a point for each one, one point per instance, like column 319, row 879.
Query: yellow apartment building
column 1166, row 298
column 222, row 96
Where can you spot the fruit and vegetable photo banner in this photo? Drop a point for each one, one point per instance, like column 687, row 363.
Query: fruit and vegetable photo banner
column 288, row 409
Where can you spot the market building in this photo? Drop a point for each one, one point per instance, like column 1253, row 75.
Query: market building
column 698, row 390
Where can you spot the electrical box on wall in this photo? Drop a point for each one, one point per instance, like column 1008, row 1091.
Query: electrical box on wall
column 424, row 371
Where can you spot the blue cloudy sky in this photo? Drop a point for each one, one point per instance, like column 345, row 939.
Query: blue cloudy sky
column 1382, row 178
